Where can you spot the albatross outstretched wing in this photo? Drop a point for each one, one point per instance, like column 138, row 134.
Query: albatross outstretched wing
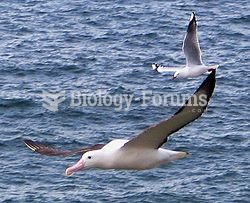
column 50, row 151
column 191, row 45
column 155, row 136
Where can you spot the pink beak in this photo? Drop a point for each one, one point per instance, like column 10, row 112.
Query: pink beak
column 76, row 167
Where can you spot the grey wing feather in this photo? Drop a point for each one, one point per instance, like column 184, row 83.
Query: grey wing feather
column 161, row 69
column 191, row 45
column 155, row 136
column 50, row 151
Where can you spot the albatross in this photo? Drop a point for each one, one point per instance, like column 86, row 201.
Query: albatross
column 191, row 48
column 144, row 151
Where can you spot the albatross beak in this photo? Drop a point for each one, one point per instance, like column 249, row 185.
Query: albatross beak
column 180, row 155
column 76, row 167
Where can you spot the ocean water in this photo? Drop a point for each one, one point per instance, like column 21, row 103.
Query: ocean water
column 110, row 45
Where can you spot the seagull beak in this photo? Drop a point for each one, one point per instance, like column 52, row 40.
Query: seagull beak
column 76, row 167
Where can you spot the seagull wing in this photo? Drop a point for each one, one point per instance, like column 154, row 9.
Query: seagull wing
column 191, row 45
column 155, row 136
column 50, row 151
column 162, row 69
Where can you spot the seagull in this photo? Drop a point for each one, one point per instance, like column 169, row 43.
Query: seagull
column 191, row 48
column 144, row 151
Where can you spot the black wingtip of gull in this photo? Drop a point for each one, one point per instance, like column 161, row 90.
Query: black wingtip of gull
column 194, row 17
column 192, row 23
column 155, row 67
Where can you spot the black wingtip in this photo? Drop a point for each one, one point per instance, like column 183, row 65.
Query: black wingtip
column 207, row 87
column 192, row 23
column 28, row 141
column 194, row 17
column 209, row 82
column 30, row 144
column 155, row 67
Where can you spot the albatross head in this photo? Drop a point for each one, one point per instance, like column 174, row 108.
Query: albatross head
column 90, row 159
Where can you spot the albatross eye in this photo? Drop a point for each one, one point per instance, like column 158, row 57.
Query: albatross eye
column 89, row 157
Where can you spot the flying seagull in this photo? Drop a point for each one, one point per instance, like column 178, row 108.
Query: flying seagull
column 143, row 151
column 191, row 47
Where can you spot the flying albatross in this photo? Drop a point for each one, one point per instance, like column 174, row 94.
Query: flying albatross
column 143, row 151
column 191, row 47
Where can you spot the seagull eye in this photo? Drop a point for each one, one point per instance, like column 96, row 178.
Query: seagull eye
column 89, row 157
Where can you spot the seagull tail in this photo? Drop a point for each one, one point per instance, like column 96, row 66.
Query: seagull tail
column 211, row 68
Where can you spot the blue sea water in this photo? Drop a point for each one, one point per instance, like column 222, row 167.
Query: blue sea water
column 110, row 45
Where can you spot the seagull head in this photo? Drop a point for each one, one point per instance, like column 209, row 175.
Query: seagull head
column 90, row 159
column 176, row 74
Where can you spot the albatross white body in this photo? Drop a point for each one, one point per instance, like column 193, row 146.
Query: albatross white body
column 114, row 156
